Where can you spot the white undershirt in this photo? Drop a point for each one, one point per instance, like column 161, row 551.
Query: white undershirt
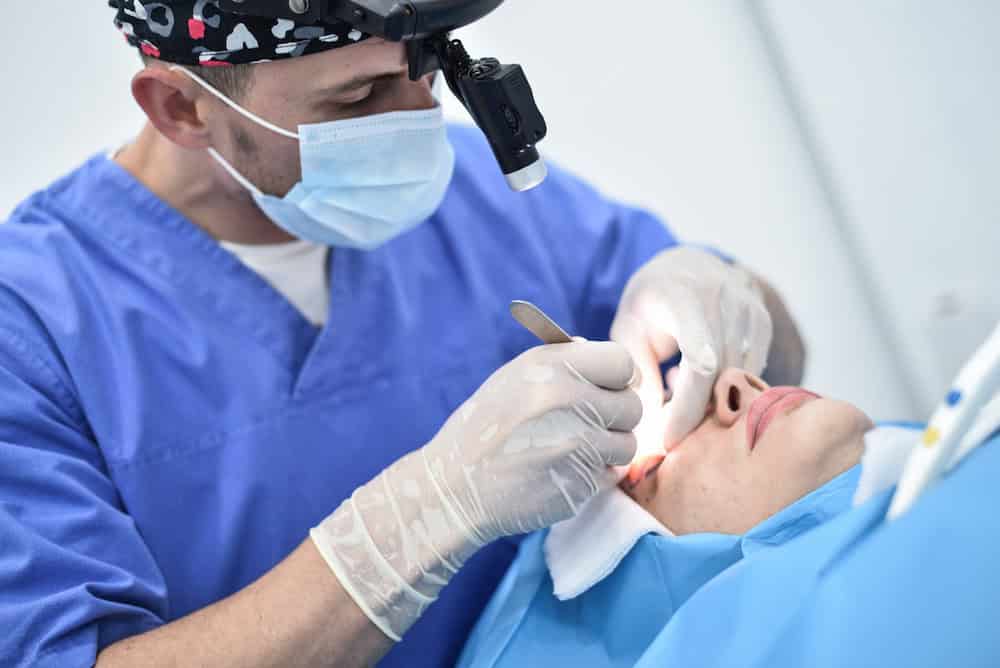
column 296, row 269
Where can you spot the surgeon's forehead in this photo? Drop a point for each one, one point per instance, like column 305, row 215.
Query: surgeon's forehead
column 334, row 69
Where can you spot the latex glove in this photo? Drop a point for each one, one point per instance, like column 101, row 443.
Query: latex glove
column 526, row 451
column 689, row 300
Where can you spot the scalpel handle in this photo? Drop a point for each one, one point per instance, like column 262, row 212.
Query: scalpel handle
column 535, row 321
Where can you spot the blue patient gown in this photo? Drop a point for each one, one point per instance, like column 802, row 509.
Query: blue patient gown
column 920, row 591
column 171, row 427
column 613, row 622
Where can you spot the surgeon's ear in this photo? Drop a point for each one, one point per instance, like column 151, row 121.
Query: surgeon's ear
column 174, row 104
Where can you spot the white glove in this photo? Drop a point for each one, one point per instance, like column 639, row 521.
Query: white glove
column 689, row 300
column 526, row 451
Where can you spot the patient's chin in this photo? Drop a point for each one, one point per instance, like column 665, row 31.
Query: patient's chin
column 838, row 435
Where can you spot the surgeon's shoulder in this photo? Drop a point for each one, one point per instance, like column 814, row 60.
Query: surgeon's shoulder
column 44, row 260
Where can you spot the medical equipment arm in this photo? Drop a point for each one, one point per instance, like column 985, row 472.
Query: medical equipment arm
column 526, row 451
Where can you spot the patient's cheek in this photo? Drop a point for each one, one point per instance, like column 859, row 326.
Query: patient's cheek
column 665, row 483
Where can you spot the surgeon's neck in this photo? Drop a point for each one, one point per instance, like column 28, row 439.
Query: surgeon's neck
column 190, row 182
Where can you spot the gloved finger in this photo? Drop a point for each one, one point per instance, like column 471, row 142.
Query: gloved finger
column 673, row 373
column 760, row 336
column 602, row 363
column 609, row 410
column 694, row 334
column 629, row 332
column 735, row 325
column 637, row 375
column 650, row 322
column 617, row 448
column 687, row 408
column 649, row 432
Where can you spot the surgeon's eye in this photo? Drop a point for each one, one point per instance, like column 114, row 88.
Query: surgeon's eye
column 355, row 100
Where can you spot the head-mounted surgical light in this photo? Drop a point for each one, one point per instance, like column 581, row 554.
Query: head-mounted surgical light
column 498, row 96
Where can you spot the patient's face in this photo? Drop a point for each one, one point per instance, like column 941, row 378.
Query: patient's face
column 758, row 450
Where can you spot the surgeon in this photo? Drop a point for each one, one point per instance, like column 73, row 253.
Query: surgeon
column 260, row 403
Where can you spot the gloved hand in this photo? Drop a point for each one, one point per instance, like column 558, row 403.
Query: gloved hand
column 689, row 300
column 530, row 446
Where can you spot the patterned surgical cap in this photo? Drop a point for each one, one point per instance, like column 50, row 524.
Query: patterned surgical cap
column 197, row 32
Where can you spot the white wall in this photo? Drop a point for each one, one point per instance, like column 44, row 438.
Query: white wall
column 901, row 102
column 66, row 97
column 741, row 123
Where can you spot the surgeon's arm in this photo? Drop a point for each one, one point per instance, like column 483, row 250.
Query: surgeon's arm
column 295, row 615
column 398, row 540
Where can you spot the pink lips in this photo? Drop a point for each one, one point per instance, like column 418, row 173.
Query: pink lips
column 770, row 405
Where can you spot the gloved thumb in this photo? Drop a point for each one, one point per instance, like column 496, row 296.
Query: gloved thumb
column 690, row 400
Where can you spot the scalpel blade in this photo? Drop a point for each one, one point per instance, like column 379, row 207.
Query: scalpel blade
column 535, row 321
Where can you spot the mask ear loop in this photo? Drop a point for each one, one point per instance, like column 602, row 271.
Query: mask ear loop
column 235, row 107
column 239, row 178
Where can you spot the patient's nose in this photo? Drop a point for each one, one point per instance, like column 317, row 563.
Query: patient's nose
column 734, row 391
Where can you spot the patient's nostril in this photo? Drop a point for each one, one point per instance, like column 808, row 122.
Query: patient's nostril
column 734, row 398
column 754, row 383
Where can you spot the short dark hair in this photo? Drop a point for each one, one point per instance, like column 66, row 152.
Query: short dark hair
column 233, row 81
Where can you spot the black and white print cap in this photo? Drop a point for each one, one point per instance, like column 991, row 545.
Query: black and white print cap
column 197, row 32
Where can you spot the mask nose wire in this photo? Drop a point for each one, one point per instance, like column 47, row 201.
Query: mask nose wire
column 235, row 107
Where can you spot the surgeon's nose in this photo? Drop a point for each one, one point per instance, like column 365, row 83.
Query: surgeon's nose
column 734, row 391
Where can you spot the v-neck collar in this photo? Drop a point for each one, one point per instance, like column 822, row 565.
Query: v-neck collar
column 344, row 353
column 152, row 232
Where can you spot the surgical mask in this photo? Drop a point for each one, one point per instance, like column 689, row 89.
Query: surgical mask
column 364, row 180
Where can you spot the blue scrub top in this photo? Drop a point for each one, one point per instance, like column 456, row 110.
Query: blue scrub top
column 171, row 427
column 858, row 591
column 613, row 623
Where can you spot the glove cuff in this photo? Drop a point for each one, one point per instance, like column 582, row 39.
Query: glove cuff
column 395, row 544
column 381, row 593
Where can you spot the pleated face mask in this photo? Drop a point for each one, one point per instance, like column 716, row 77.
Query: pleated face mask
column 364, row 181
